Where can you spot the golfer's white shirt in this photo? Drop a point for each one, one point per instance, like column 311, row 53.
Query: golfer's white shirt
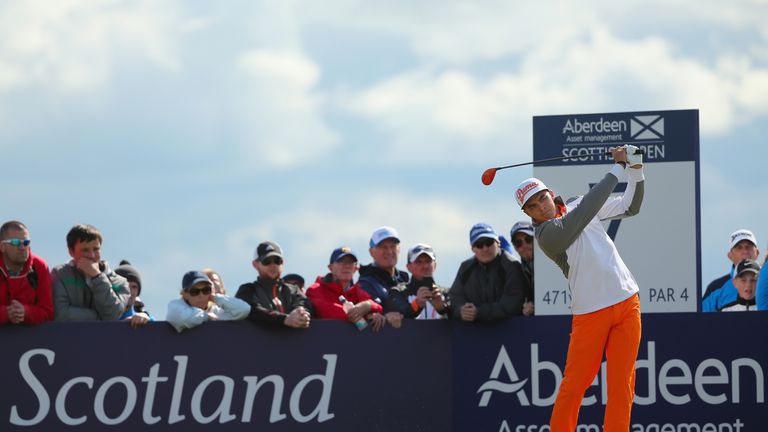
column 598, row 277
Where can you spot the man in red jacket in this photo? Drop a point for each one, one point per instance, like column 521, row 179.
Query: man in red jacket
column 325, row 294
column 25, row 283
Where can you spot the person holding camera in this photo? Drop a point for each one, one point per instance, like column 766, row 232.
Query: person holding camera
column 421, row 298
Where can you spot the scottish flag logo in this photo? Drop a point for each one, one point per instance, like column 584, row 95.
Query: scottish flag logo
column 648, row 127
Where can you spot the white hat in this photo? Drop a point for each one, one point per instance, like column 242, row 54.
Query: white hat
column 740, row 235
column 383, row 233
column 527, row 188
column 420, row 249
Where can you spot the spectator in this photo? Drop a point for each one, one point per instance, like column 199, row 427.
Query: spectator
column 199, row 304
column 490, row 285
column 272, row 300
column 294, row 279
column 326, row 293
column 722, row 291
column 218, row 282
column 25, row 284
column 86, row 288
column 761, row 293
column 422, row 298
column 381, row 276
column 745, row 280
column 522, row 240
column 743, row 245
column 134, row 312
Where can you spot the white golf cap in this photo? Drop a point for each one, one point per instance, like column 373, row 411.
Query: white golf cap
column 527, row 189
column 740, row 235
column 383, row 233
column 420, row 249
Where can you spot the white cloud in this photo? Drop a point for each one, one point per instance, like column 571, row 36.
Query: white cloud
column 75, row 45
column 438, row 112
column 280, row 112
column 308, row 234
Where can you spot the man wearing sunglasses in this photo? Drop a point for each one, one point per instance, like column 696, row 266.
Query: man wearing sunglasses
column 522, row 240
column 25, row 284
column 86, row 288
column 272, row 300
column 490, row 285
column 199, row 304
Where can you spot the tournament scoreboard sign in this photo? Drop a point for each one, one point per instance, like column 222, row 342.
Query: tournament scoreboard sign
column 661, row 244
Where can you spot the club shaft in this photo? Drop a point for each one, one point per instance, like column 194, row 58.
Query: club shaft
column 640, row 151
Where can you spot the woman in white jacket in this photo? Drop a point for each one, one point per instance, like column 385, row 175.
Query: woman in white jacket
column 198, row 304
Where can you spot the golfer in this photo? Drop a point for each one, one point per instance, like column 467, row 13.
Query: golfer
column 605, row 303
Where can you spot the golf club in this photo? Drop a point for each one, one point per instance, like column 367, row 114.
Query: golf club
column 490, row 173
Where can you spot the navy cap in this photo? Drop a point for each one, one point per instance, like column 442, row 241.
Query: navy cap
column 193, row 277
column 340, row 253
column 525, row 227
column 481, row 230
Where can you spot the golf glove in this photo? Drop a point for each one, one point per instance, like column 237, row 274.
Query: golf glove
column 634, row 158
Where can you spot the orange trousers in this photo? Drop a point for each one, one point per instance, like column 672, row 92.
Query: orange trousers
column 615, row 330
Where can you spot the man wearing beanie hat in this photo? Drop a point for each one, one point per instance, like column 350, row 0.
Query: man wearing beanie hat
column 488, row 286
column 605, row 301
column 721, row 291
column 134, row 311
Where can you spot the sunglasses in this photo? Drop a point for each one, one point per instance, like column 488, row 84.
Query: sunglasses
column 484, row 243
column 194, row 292
column 519, row 241
column 272, row 260
column 18, row 242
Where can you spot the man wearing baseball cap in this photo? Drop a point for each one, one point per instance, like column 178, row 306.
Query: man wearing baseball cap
column 488, row 286
column 743, row 246
column 379, row 277
column 422, row 298
column 605, row 301
column 272, row 300
column 329, row 293
column 721, row 291
column 521, row 236
column 745, row 281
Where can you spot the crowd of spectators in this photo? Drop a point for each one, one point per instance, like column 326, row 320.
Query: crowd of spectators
column 494, row 283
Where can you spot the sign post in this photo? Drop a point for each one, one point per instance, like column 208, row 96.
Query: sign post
column 661, row 244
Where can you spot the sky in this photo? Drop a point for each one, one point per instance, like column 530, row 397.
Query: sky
column 190, row 131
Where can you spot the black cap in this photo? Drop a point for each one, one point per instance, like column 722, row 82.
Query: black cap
column 747, row 265
column 267, row 249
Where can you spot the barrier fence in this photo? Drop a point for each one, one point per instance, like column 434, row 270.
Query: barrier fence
column 696, row 372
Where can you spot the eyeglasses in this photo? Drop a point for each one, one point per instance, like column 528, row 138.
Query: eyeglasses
column 272, row 260
column 519, row 241
column 194, row 292
column 484, row 243
column 18, row 242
